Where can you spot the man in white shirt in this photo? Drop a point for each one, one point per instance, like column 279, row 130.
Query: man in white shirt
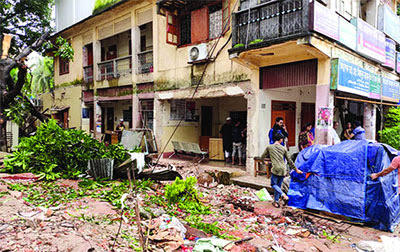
column 334, row 134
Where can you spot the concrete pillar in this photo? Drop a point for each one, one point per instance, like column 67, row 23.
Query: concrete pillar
column 97, row 118
column 158, row 122
column 136, row 118
column 370, row 121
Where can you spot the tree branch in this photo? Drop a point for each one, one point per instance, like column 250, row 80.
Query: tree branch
column 11, row 94
column 38, row 43
column 34, row 111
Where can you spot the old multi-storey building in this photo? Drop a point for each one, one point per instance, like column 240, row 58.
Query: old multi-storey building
column 306, row 61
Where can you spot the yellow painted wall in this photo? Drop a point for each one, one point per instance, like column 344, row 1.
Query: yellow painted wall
column 191, row 131
column 173, row 68
column 64, row 97
column 75, row 66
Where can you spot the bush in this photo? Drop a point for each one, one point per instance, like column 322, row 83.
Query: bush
column 54, row 152
column 391, row 133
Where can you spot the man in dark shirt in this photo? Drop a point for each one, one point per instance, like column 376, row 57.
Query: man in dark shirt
column 237, row 142
column 226, row 132
column 279, row 127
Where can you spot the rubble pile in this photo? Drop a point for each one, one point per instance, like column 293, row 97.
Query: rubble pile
column 85, row 215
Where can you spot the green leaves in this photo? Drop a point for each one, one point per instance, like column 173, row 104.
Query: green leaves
column 184, row 194
column 391, row 133
column 54, row 153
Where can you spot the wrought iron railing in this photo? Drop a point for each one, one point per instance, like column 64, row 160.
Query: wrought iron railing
column 145, row 62
column 270, row 21
column 115, row 68
column 88, row 74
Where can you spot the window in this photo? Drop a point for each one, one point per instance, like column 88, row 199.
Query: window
column 345, row 8
column 177, row 109
column 207, row 22
column 64, row 66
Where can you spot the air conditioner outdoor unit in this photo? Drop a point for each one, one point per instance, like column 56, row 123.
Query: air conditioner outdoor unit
column 197, row 53
column 37, row 102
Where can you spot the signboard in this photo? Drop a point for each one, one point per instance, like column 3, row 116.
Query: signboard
column 325, row 21
column 398, row 62
column 390, row 90
column 389, row 22
column 375, row 86
column 347, row 77
column 347, row 33
column 390, row 53
column 370, row 41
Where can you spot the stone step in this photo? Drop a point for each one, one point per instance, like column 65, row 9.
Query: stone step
column 258, row 182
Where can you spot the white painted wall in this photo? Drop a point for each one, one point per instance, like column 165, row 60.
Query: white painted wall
column 294, row 94
column 69, row 12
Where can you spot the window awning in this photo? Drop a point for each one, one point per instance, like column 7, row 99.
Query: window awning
column 58, row 109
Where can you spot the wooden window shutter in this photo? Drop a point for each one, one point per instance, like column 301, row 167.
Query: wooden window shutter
column 200, row 25
column 172, row 28
column 225, row 16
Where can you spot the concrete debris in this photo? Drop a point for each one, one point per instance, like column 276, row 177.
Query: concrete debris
column 89, row 223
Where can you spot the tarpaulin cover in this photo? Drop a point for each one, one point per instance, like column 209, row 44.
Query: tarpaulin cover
column 339, row 182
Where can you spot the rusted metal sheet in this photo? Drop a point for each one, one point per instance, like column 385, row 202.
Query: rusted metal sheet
column 289, row 75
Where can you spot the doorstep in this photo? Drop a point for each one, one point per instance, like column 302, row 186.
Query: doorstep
column 258, row 182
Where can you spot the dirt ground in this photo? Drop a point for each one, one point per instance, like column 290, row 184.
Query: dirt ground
column 89, row 222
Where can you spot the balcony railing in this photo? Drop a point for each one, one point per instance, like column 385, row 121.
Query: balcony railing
column 270, row 21
column 145, row 60
column 115, row 68
column 88, row 74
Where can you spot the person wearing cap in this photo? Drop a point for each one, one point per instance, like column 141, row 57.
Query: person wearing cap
column 277, row 153
column 226, row 132
column 120, row 128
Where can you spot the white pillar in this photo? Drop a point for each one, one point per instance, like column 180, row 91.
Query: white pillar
column 369, row 121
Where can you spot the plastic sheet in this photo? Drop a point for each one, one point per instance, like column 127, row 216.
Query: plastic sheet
column 339, row 182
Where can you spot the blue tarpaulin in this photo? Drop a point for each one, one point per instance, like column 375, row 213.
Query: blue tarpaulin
column 337, row 179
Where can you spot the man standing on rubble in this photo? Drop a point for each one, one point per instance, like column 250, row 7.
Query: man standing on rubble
column 226, row 132
column 277, row 153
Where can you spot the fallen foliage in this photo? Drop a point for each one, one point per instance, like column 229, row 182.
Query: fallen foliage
column 54, row 153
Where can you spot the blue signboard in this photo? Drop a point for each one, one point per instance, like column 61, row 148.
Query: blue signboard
column 347, row 77
column 390, row 90
column 390, row 54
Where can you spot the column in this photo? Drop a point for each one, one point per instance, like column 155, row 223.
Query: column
column 136, row 117
column 324, row 102
column 96, row 106
column 369, row 121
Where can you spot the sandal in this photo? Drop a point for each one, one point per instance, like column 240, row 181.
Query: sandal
column 276, row 204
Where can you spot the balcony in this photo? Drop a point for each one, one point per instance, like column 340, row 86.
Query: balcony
column 145, row 61
column 114, row 68
column 88, row 74
column 270, row 23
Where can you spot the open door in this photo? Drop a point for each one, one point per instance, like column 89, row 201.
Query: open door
column 286, row 110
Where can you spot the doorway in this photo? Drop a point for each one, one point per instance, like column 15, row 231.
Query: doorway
column 286, row 110
column 307, row 113
column 110, row 119
column 206, row 120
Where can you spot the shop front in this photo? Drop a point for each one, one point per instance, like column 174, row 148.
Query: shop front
column 362, row 95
